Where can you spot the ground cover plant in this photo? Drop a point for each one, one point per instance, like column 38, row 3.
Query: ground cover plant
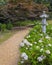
column 24, row 23
column 6, row 35
column 36, row 48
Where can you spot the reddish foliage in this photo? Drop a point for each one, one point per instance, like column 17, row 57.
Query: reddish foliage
column 22, row 10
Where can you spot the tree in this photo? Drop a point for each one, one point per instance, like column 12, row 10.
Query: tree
column 21, row 10
column 47, row 3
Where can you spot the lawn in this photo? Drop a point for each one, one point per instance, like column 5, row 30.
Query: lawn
column 5, row 35
column 49, row 21
column 24, row 23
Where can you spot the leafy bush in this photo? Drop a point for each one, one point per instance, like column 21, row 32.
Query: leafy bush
column 3, row 27
column 36, row 48
column 50, row 15
column 0, row 26
column 24, row 23
column 9, row 26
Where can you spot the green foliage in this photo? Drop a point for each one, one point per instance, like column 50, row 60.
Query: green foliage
column 3, row 2
column 3, row 27
column 21, row 10
column 9, row 26
column 49, row 29
column 0, row 26
column 24, row 23
column 47, row 3
column 40, row 51
column 6, row 35
column 50, row 15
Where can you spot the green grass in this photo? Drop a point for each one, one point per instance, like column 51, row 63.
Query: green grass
column 49, row 21
column 5, row 35
column 23, row 23
column 29, row 22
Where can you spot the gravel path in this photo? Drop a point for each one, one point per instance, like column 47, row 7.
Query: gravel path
column 9, row 50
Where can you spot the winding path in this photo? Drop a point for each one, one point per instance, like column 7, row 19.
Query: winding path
column 9, row 50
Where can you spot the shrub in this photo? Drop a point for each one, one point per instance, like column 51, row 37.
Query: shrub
column 24, row 23
column 50, row 15
column 0, row 26
column 36, row 48
column 3, row 27
column 9, row 26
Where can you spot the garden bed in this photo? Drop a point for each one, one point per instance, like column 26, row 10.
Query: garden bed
column 36, row 48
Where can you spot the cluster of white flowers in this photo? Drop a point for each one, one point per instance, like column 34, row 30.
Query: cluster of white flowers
column 25, row 42
column 24, row 56
column 40, row 41
column 41, row 49
column 41, row 58
column 49, row 45
column 47, row 51
column 41, row 34
column 22, row 62
column 22, row 44
column 47, row 37
column 37, row 47
column 35, row 42
column 28, row 36
column 42, row 46
column 26, row 48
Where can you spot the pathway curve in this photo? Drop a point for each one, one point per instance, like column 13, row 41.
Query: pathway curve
column 9, row 50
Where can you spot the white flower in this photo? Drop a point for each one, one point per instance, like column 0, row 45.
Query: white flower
column 22, row 62
column 43, row 56
column 26, row 42
column 48, row 52
column 26, row 48
column 40, row 40
column 47, row 37
column 37, row 47
column 35, row 42
column 42, row 46
column 30, row 44
column 40, row 59
column 41, row 49
column 41, row 34
column 28, row 36
column 49, row 45
column 24, row 56
column 22, row 44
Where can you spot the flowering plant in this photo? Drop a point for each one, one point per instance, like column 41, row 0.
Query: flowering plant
column 36, row 48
